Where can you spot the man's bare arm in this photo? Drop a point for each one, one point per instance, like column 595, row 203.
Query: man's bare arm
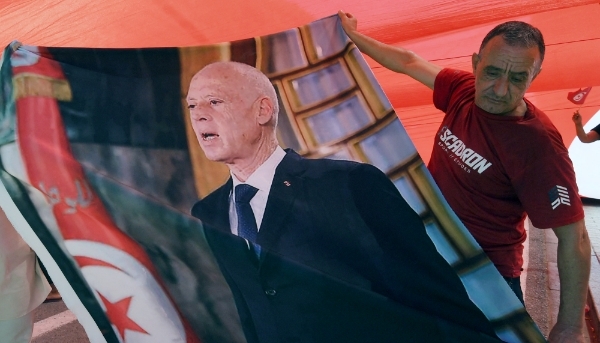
column 394, row 58
column 589, row 137
column 593, row 136
column 574, row 253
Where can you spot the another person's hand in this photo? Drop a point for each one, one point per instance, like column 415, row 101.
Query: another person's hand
column 349, row 22
column 576, row 117
column 571, row 334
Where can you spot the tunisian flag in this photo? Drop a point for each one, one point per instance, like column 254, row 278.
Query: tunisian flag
column 578, row 97
column 112, row 263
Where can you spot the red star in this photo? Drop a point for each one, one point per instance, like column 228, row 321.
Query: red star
column 117, row 313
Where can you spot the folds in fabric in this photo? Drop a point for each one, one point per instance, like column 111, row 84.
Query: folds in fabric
column 99, row 159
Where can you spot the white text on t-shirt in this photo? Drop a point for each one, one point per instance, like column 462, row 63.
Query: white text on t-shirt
column 466, row 158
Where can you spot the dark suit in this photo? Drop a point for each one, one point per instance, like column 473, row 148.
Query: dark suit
column 345, row 259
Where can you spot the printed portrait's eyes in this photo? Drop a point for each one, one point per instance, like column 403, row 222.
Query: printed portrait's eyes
column 212, row 102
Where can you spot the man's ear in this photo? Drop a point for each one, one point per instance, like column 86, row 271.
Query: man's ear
column 474, row 61
column 265, row 110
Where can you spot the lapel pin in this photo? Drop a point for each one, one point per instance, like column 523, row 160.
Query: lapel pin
column 287, row 183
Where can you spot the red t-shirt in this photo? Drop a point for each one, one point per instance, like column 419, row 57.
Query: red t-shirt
column 494, row 170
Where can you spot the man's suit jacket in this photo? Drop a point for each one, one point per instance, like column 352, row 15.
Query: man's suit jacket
column 344, row 259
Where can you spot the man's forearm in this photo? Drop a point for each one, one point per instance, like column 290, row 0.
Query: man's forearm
column 581, row 133
column 574, row 253
column 394, row 58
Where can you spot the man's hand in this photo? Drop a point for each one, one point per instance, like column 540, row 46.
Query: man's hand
column 349, row 22
column 589, row 137
column 576, row 118
column 573, row 257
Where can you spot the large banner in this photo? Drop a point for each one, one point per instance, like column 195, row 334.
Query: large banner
column 100, row 167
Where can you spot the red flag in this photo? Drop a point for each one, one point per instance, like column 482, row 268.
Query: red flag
column 578, row 97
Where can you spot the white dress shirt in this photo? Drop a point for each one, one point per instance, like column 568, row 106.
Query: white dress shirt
column 261, row 179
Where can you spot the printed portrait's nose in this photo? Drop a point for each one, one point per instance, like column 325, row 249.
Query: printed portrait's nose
column 199, row 114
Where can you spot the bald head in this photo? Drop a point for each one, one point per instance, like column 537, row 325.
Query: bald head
column 233, row 111
column 249, row 82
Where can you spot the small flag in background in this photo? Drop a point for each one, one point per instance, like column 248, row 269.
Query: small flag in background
column 578, row 97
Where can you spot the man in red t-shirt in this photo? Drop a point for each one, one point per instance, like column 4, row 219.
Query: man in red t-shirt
column 497, row 158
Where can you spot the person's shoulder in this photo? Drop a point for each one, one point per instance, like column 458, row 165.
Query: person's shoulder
column 340, row 170
column 539, row 128
column 332, row 168
column 449, row 76
column 330, row 163
column 208, row 203
column 453, row 88
column 530, row 143
column 535, row 113
column 320, row 167
column 450, row 73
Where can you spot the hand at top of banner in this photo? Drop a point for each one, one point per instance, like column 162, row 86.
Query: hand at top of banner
column 349, row 22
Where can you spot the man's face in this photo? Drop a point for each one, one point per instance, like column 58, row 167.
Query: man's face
column 223, row 115
column 503, row 73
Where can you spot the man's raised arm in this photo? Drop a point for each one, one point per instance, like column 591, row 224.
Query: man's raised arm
column 394, row 58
